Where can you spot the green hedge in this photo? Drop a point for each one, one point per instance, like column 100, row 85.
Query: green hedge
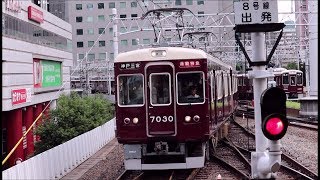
column 293, row 105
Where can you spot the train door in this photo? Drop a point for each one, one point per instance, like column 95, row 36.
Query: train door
column 160, row 107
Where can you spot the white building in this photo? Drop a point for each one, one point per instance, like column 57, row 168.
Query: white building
column 36, row 64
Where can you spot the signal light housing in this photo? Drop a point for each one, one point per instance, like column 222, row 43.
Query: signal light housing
column 274, row 113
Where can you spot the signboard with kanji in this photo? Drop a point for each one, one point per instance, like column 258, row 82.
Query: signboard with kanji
column 255, row 11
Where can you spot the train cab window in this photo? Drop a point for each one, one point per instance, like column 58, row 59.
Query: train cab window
column 160, row 91
column 130, row 90
column 240, row 79
column 299, row 79
column 285, row 79
column 190, row 87
column 292, row 80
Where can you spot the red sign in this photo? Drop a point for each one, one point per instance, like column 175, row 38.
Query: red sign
column 20, row 96
column 35, row 14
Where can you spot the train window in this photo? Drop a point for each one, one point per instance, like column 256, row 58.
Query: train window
column 225, row 85
column 299, row 78
column 292, row 80
column 212, row 88
column 190, row 87
column 240, row 79
column 130, row 90
column 219, row 86
column 160, row 91
column 285, row 79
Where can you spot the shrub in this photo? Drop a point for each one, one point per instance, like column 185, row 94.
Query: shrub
column 73, row 116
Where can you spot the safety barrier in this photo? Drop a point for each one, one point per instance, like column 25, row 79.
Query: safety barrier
column 60, row 160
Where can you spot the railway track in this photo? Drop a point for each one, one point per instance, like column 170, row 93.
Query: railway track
column 184, row 174
column 248, row 112
column 289, row 167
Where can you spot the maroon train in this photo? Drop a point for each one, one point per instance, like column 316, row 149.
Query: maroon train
column 171, row 102
column 291, row 81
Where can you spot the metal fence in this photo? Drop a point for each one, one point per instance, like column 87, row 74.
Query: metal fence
column 60, row 160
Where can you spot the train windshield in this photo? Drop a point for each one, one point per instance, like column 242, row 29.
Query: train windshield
column 130, row 90
column 292, row 80
column 160, row 91
column 299, row 78
column 190, row 87
column 285, row 79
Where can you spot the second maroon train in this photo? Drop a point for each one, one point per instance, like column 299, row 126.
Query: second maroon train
column 291, row 81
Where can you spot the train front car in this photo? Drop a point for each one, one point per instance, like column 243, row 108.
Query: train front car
column 292, row 82
column 162, row 108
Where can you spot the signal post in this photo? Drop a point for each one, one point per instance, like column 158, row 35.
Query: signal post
column 257, row 17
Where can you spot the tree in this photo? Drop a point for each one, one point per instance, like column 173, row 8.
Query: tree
column 73, row 116
column 292, row 65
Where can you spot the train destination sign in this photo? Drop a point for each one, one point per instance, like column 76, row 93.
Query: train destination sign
column 255, row 11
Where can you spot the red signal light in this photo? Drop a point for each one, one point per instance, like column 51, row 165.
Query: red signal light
column 274, row 126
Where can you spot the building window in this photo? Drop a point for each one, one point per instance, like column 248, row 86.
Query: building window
column 101, row 18
column 201, row 12
column 110, row 30
column 122, row 4
column 134, row 42
column 189, row 2
column 146, row 41
column 111, row 56
column 90, row 43
column 90, row 6
column 123, row 29
column 79, row 44
column 133, row 4
column 91, row 56
column 178, row 2
column 102, row 43
column 90, row 19
column 134, row 15
column 112, row 5
column 78, row 6
column 79, row 19
column 200, row 2
column 90, row 31
column 80, row 56
column 101, row 31
column 102, row 56
column 123, row 16
column 79, row 31
column 124, row 42
column 100, row 5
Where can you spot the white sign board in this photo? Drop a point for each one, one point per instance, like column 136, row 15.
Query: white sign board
column 255, row 11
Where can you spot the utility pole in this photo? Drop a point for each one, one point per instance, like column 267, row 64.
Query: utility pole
column 115, row 43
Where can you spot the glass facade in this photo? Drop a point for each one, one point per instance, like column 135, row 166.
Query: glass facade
column 15, row 28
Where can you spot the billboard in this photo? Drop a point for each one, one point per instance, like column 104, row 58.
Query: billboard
column 47, row 73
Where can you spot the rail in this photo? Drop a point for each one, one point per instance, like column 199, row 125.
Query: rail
column 60, row 160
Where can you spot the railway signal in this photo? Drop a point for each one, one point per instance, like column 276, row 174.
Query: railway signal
column 273, row 113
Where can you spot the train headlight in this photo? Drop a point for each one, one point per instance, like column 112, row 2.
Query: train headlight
column 135, row 120
column 196, row 118
column 126, row 120
column 187, row 118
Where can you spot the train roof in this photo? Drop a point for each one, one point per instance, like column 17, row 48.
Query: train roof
column 171, row 53
column 174, row 53
column 291, row 71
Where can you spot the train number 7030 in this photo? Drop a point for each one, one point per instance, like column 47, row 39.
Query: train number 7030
column 161, row 119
